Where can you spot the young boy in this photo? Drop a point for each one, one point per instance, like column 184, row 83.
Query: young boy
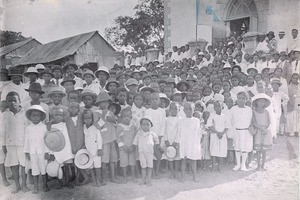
column 125, row 134
column 3, row 107
column 89, row 77
column 34, row 147
column 46, row 87
column 14, row 131
column 122, row 97
column 56, row 96
column 68, row 84
column 145, row 140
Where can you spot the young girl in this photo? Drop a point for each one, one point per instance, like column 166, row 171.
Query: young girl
column 93, row 143
column 218, row 125
column 34, row 147
column 126, row 133
column 243, row 138
column 189, row 142
column 171, row 137
column 146, row 140
column 138, row 111
column 261, row 122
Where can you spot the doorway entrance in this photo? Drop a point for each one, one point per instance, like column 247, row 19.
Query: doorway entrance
column 239, row 27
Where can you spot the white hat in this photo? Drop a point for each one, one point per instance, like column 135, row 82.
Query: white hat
column 83, row 159
column 171, row 152
column 36, row 107
column 31, row 70
column 39, row 66
column 53, row 169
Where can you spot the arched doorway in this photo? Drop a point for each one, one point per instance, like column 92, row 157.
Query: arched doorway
column 241, row 17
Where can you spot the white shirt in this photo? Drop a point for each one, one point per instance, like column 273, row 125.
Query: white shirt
column 158, row 116
column 93, row 139
column 296, row 66
column 20, row 89
column 262, row 46
column 94, row 87
column 293, row 44
column 282, row 44
column 34, row 139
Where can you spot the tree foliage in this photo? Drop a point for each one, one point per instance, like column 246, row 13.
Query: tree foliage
column 10, row 37
column 145, row 29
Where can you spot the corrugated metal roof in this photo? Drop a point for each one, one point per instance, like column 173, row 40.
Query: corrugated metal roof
column 9, row 48
column 56, row 50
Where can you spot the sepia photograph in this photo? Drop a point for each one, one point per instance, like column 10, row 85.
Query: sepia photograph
column 149, row 99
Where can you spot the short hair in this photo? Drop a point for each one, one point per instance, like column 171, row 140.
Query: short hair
column 13, row 93
column 85, row 112
column 122, row 89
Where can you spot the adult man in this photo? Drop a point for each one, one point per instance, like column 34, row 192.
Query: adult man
column 272, row 42
column 294, row 43
column 282, row 44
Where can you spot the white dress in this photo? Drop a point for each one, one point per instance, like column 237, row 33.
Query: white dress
column 218, row 147
column 66, row 153
column 241, row 120
column 190, row 138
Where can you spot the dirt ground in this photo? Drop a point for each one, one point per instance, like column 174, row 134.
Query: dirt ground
column 280, row 181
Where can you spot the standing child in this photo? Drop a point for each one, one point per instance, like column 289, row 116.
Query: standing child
column 126, row 132
column 145, row 140
column 93, row 143
column 14, row 132
column 218, row 125
column 34, row 147
column 171, row 137
column 205, row 140
column 261, row 122
column 138, row 111
column 189, row 142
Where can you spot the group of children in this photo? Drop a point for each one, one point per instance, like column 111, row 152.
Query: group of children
column 129, row 120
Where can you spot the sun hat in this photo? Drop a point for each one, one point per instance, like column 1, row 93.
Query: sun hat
column 270, row 33
column 102, row 69
column 112, row 71
column 131, row 81
column 177, row 93
column 261, row 96
column 55, row 140
column 170, row 152
column 281, row 33
column 53, row 169
column 35, row 87
column 47, row 71
column 154, row 74
column 190, row 78
column 146, row 76
column 39, row 66
column 70, row 64
column 143, row 69
column 83, row 159
column 31, row 70
column 136, row 72
column 88, row 92
column 276, row 80
column 297, row 49
column 56, row 90
column 85, row 65
column 56, row 67
column 181, row 83
column 282, row 53
column 36, row 108
column 145, row 89
column 88, row 72
column 102, row 96
column 67, row 79
column 236, row 66
column 163, row 96
column 111, row 80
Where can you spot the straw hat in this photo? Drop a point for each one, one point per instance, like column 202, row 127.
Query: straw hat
column 131, row 81
column 56, row 90
column 35, row 87
column 15, row 72
column 36, row 108
column 40, row 66
column 53, row 169
column 147, row 117
column 102, row 96
column 181, row 83
column 47, row 71
column 55, row 140
column 144, row 89
column 55, row 67
column 83, row 159
column 88, row 92
column 170, row 152
column 261, row 96
column 163, row 96
column 249, row 69
column 102, row 69
column 70, row 64
column 111, row 80
column 276, row 80
column 31, row 70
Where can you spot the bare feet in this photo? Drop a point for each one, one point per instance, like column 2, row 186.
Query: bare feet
column 134, row 180
column 142, row 183
column 46, row 188
column 25, row 188
column 5, row 183
column 16, row 190
column 35, row 191
column 85, row 181
column 195, row 179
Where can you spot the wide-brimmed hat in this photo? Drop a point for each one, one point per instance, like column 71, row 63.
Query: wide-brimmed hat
column 154, row 74
column 171, row 152
column 270, row 33
column 190, row 78
column 111, row 80
column 83, row 159
column 143, row 69
column 40, row 66
column 36, row 108
column 261, row 96
column 78, row 71
column 282, row 53
column 31, row 70
column 136, row 72
column 131, row 81
column 14, row 71
column 102, row 69
column 251, row 68
column 56, row 67
column 67, row 79
column 55, row 140
column 276, row 80
column 85, row 65
column 88, row 92
column 56, row 90
column 47, row 71
column 236, row 66
column 70, row 64
column 35, row 87
column 296, row 50
column 88, row 72
column 163, row 96
column 53, row 169
column 102, row 96
column 146, row 76
column 182, row 83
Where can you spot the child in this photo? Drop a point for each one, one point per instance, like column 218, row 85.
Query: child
column 205, row 141
column 34, row 147
column 93, row 143
column 105, row 123
column 46, row 87
column 171, row 137
column 261, row 121
column 68, row 84
column 218, row 125
column 145, row 140
column 126, row 132
column 229, row 103
column 122, row 97
column 88, row 97
column 89, row 77
column 57, row 73
column 189, row 142
column 243, row 137
column 14, row 131
column 56, row 96
column 65, row 156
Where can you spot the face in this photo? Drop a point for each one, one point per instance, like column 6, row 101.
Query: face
column 103, row 105
column 187, row 109
column 88, row 78
column 189, row 96
column 16, row 79
column 168, row 91
column 162, row 87
column 47, row 77
column 196, row 96
column 155, row 100
column 206, row 91
column 73, row 97
column 88, row 118
column 13, row 102
column 173, row 110
column 218, row 107
column 235, row 82
column 226, row 86
column 58, row 117
column 73, row 109
column 57, row 74
column 275, row 86
column 278, row 72
column 241, row 100
column 294, row 33
column 32, row 77
column 235, row 70
column 132, row 88
column 122, row 96
column 102, row 76
column 56, row 99
column 261, row 103
column 295, row 78
column 139, row 101
column 68, row 86
column 257, row 78
column 250, row 80
column 126, row 117
column 70, row 70
column 122, row 80
column 88, row 101
column 147, row 80
column 145, row 124
column 229, row 102
column 112, row 87
column 216, row 88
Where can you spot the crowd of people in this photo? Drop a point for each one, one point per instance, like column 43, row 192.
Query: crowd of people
column 192, row 112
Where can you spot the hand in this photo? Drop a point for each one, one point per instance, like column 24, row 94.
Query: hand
column 174, row 144
column 27, row 155
column 46, row 156
column 167, row 143
column 100, row 152
column 4, row 150
column 51, row 158
column 49, row 124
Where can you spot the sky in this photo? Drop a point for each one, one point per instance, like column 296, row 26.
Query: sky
column 50, row 20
